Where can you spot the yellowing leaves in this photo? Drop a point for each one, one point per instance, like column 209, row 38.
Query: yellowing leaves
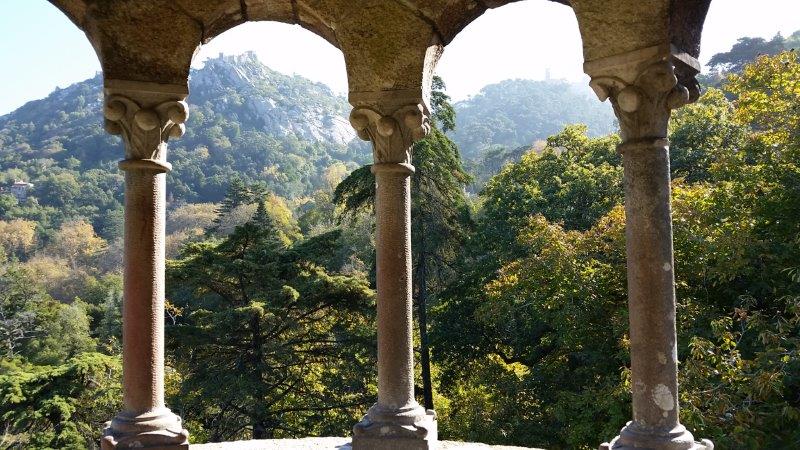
column 17, row 235
column 76, row 242
column 768, row 93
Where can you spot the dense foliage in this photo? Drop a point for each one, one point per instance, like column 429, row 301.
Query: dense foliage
column 543, row 293
column 267, row 342
column 512, row 113
column 270, row 312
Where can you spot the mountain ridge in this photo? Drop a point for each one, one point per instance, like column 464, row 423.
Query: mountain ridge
column 245, row 121
column 257, row 125
column 518, row 112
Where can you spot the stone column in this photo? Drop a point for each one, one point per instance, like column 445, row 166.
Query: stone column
column 145, row 115
column 396, row 421
column 643, row 87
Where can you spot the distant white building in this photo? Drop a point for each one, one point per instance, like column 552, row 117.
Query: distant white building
column 20, row 190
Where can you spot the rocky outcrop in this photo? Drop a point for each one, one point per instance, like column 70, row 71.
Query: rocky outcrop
column 272, row 102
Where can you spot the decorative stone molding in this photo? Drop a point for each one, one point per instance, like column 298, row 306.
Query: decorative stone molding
column 392, row 121
column 643, row 86
column 633, row 437
column 411, row 428
column 146, row 115
column 392, row 134
column 157, row 429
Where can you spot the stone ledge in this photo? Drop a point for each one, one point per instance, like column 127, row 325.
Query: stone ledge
column 330, row 444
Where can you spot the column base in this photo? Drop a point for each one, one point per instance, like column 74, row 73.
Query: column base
column 634, row 437
column 412, row 428
column 155, row 430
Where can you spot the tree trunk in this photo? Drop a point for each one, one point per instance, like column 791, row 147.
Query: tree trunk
column 260, row 431
column 422, row 305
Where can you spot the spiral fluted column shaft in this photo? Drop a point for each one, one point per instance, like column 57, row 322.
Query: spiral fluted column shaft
column 393, row 262
column 143, row 305
column 146, row 115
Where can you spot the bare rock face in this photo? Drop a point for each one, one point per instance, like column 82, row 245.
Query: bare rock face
column 270, row 101
column 330, row 444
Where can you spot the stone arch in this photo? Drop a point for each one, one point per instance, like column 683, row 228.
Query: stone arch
column 388, row 45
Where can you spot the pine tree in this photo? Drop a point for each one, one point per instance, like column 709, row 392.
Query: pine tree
column 238, row 194
column 269, row 343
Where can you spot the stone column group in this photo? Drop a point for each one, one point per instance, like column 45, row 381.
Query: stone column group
column 643, row 87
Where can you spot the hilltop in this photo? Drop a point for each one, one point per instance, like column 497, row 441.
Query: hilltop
column 246, row 121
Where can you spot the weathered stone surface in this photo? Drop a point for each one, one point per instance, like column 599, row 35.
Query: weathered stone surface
column 393, row 123
column 146, row 115
column 393, row 56
column 277, row 10
column 611, row 28
column 331, row 444
column 686, row 25
column 143, row 41
column 387, row 44
column 643, row 86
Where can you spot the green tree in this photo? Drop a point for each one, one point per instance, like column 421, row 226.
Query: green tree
column 575, row 180
column 793, row 41
column 7, row 203
column 549, row 229
column 706, row 139
column 745, row 51
column 60, row 406
column 267, row 343
column 36, row 328
column 519, row 319
column 238, row 194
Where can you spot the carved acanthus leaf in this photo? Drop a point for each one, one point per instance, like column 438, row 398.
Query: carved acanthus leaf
column 643, row 106
column 644, row 86
column 392, row 135
column 145, row 130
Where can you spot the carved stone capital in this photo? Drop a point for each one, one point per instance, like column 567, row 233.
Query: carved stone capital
column 146, row 115
column 392, row 124
column 644, row 86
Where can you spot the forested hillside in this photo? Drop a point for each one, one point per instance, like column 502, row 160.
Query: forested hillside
column 507, row 119
column 516, row 113
column 246, row 121
column 521, row 322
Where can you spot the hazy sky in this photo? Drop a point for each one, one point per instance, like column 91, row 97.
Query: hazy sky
column 41, row 49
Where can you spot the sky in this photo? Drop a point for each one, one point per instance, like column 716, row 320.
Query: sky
column 40, row 49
